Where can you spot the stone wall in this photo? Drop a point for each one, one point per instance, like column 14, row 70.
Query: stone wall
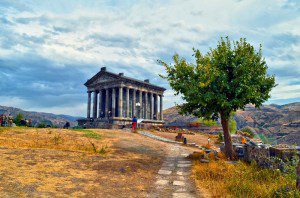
column 260, row 155
column 266, row 156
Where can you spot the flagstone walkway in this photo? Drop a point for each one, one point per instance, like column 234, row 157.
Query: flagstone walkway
column 173, row 178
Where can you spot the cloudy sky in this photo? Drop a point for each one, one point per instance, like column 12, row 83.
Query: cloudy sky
column 48, row 49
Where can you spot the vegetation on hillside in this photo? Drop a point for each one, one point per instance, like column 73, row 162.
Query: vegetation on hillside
column 208, row 122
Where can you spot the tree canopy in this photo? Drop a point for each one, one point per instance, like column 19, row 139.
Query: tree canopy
column 223, row 80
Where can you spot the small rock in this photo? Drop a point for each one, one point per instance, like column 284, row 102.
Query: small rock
column 182, row 195
column 179, row 183
column 184, row 162
column 164, row 172
column 162, row 182
column 232, row 162
column 182, row 173
column 183, row 165
column 204, row 161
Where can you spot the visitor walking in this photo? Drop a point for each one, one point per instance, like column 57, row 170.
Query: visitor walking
column 134, row 123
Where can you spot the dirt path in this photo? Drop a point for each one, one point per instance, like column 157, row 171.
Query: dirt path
column 173, row 178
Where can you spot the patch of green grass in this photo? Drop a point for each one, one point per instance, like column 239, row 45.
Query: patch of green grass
column 89, row 133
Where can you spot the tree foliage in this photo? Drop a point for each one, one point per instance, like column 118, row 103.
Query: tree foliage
column 221, row 81
column 18, row 119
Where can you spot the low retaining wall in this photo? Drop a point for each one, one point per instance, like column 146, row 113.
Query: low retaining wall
column 255, row 153
column 266, row 156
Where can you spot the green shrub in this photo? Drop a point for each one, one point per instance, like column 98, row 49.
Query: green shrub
column 220, row 136
column 103, row 150
column 248, row 131
column 41, row 125
column 77, row 127
column 18, row 119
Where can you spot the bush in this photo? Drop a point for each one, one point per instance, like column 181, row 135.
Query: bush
column 77, row 127
column 102, row 151
column 41, row 125
column 220, row 136
column 248, row 132
column 18, row 119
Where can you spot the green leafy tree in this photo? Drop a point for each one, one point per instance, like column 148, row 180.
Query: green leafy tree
column 220, row 82
column 18, row 119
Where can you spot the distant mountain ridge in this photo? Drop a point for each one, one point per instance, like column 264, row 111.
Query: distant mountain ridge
column 279, row 123
column 40, row 117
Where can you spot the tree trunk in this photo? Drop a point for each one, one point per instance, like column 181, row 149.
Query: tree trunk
column 227, row 137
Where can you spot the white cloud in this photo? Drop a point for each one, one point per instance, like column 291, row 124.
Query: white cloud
column 132, row 36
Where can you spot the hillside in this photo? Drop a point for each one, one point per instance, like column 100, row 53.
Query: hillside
column 39, row 117
column 279, row 123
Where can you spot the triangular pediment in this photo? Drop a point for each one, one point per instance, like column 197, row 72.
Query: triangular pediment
column 101, row 78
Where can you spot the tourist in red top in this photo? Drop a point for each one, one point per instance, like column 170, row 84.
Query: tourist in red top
column 134, row 123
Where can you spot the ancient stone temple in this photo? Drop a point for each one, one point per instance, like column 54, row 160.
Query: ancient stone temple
column 114, row 99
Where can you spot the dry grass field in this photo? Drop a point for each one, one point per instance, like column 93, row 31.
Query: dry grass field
column 76, row 163
column 221, row 179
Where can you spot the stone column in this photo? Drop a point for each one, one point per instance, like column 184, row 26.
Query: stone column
column 133, row 102
column 95, row 105
column 113, row 103
column 141, row 104
column 89, row 105
column 156, row 106
column 106, row 103
column 161, row 107
column 100, row 104
column 120, row 109
column 151, row 106
column 146, row 105
column 127, row 102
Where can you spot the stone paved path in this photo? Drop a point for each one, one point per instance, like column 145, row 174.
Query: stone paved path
column 173, row 178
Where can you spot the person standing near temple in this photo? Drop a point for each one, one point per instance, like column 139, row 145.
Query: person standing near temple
column 134, row 123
